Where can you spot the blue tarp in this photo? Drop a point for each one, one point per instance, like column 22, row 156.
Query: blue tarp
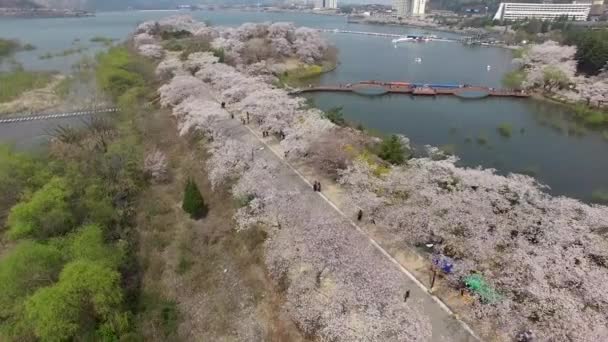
column 444, row 263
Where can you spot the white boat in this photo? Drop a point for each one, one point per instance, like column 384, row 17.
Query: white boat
column 413, row 39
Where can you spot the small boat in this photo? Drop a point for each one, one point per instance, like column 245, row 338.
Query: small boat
column 418, row 60
column 489, row 67
column 413, row 39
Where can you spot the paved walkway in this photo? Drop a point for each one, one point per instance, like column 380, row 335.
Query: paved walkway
column 445, row 327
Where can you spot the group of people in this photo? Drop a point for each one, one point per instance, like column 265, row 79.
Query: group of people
column 316, row 186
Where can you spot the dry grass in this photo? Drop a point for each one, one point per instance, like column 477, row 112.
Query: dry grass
column 202, row 280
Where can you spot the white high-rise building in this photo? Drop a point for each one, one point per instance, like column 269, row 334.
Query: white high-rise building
column 547, row 11
column 326, row 4
column 418, row 7
column 408, row 8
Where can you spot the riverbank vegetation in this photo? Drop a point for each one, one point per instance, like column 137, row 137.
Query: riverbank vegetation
column 557, row 72
column 505, row 130
column 9, row 47
column 21, row 81
column 70, row 218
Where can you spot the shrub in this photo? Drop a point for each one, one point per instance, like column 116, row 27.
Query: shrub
column 7, row 47
column 392, row 150
column 482, row 140
column 166, row 35
column 505, row 130
column 45, row 214
column 514, row 79
column 220, row 54
column 86, row 293
column 335, row 115
column 193, row 201
column 600, row 196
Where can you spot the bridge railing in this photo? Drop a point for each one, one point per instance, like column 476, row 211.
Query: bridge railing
column 60, row 115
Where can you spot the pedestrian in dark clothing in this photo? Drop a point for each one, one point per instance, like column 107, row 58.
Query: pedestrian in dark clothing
column 319, row 186
column 360, row 215
column 232, row 115
column 314, row 186
column 406, row 296
column 247, row 117
column 223, row 105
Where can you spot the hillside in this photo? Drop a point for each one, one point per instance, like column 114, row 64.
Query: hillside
column 18, row 4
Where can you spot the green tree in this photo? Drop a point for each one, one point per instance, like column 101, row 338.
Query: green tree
column 592, row 49
column 193, row 201
column 19, row 173
column 88, row 244
column 28, row 266
column 220, row 54
column 514, row 79
column 97, row 205
column 46, row 214
column 392, row 150
column 335, row 115
column 87, row 293
column 554, row 77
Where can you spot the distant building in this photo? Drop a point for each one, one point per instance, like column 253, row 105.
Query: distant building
column 546, row 11
column 326, row 4
column 409, row 8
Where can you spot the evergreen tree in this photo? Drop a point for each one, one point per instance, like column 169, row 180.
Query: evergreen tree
column 193, row 201
column 392, row 150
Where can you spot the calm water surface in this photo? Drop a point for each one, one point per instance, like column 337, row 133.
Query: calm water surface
column 544, row 143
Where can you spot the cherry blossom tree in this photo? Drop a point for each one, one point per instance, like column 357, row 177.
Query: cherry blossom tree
column 151, row 51
column 229, row 159
column 156, row 166
column 180, row 88
column 170, row 66
column 309, row 45
column 143, row 38
column 535, row 249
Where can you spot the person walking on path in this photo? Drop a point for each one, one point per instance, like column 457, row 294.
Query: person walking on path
column 314, row 186
column 223, row 105
column 248, row 118
column 318, row 186
column 359, row 215
column 406, row 296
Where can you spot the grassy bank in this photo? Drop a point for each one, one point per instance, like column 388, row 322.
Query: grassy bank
column 591, row 117
column 302, row 73
column 19, row 81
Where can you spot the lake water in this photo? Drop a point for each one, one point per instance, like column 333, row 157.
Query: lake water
column 568, row 158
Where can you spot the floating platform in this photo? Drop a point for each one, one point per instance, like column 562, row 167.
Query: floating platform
column 417, row 89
